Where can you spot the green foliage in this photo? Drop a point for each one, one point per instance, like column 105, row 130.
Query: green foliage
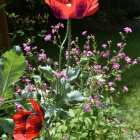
column 12, row 68
column 47, row 72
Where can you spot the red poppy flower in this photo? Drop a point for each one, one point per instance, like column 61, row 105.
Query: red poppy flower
column 65, row 9
column 28, row 123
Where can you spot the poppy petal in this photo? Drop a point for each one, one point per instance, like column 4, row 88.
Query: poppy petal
column 37, row 108
column 21, row 116
column 19, row 132
column 60, row 9
column 94, row 6
column 33, row 127
column 81, row 7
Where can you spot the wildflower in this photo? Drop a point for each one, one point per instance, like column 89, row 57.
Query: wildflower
column 91, row 99
column 1, row 100
column 72, row 43
column 106, row 54
column 97, row 67
column 87, row 47
column 87, row 107
column 60, row 75
column 110, row 84
column 106, row 68
column 55, row 63
column 26, row 47
column 42, row 56
column 28, row 123
column 48, row 60
column 30, row 68
column 127, row 29
column 120, row 44
column 48, row 37
column 125, row 88
column 31, row 87
column 64, row 9
column 98, row 103
column 134, row 62
column 121, row 54
column 119, row 78
column 19, row 107
column 84, row 33
column 26, row 80
column 95, row 96
column 116, row 66
column 127, row 59
column 104, row 45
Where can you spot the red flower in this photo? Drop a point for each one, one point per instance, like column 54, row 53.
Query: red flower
column 65, row 9
column 28, row 123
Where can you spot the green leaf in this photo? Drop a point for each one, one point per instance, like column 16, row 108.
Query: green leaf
column 11, row 70
column 47, row 72
column 75, row 96
column 72, row 73
column 7, row 125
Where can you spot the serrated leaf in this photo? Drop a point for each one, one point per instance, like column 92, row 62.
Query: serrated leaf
column 13, row 69
column 72, row 73
column 47, row 72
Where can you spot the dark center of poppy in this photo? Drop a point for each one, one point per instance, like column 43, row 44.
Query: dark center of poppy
column 25, row 117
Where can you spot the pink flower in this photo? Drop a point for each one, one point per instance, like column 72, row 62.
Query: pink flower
column 31, row 87
column 125, row 88
column 120, row 44
column 135, row 62
column 95, row 96
column 104, row 45
column 87, row 47
column 121, row 54
column 19, row 107
column 48, row 37
column 116, row 66
column 84, row 33
column 91, row 99
column 97, row 67
column 87, row 107
column 1, row 100
column 26, row 47
column 127, row 29
column 127, row 59
column 106, row 54
column 119, row 78
column 110, row 84
column 42, row 56
column 106, row 68
column 98, row 103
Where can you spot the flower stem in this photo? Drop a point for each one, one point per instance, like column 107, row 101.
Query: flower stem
column 69, row 41
column 62, row 45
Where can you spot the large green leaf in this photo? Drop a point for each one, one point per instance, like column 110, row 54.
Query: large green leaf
column 47, row 72
column 72, row 73
column 74, row 97
column 11, row 69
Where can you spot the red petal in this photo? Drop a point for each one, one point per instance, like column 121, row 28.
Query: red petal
column 60, row 9
column 37, row 108
column 80, row 8
column 33, row 127
column 94, row 6
column 21, row 116
column 19, row 132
